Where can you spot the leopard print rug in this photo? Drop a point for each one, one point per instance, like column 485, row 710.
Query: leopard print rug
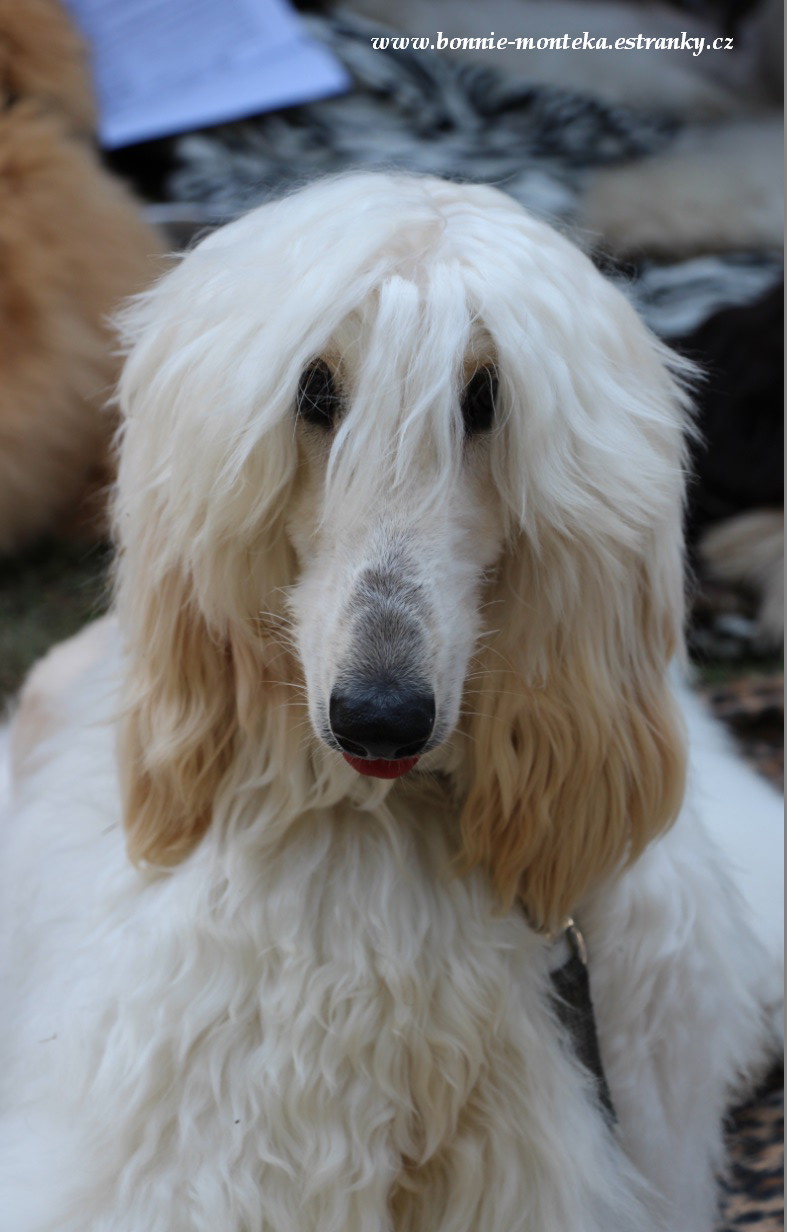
column 754, row 1186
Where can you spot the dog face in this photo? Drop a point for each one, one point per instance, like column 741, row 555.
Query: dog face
column 395, row 449
column 391, row 560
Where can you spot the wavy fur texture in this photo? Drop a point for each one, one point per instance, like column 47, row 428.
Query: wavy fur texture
column 315, row 1000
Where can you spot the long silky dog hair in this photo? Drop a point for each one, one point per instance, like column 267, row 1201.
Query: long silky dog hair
column 406, row 289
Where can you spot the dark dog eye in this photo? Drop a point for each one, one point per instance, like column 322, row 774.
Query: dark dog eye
column 318, row 401
column 478, row 401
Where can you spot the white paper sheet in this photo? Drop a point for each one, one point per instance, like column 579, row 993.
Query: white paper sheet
column 167, row 66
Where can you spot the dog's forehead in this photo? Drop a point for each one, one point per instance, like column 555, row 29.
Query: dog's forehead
column 348, row 347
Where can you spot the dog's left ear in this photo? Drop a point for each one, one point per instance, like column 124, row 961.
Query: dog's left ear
column 575, row 742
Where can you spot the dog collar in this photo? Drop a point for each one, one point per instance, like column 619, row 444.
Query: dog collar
column 573, row 1006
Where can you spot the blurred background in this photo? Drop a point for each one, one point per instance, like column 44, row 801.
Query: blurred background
column 129, row 127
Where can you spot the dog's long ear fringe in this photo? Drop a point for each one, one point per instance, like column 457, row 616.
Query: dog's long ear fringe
column 178, row 731
column 205, row 469
column 576, row 746
column 577, row 772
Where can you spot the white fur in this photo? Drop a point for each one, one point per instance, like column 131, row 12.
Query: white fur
column 749, row 550
column 717, row 188
column 311, row 1024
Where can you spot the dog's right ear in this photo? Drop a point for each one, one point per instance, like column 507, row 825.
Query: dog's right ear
column 179, row 724
column 207, row 460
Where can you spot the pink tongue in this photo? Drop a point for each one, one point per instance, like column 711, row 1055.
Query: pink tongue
column 381, row 768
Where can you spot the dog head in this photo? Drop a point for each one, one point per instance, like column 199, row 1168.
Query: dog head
column 396, row 451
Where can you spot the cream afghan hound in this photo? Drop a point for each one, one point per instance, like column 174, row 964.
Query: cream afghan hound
column 386, row 698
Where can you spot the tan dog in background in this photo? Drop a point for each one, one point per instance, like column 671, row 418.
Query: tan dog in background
column 73, row 244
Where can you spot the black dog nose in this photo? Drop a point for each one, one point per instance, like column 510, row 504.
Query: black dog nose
column 381, row 720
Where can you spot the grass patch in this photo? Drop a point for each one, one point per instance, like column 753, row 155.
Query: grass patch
column 46, row 596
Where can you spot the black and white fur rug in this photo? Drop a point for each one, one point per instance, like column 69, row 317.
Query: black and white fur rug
column 416, row 111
